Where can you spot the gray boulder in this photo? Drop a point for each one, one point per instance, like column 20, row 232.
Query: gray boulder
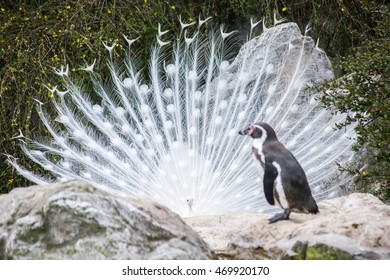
column 272, row 47
column 350, row 227
column 74, row 220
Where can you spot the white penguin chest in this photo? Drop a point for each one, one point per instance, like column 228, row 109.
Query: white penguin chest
column 258, row 145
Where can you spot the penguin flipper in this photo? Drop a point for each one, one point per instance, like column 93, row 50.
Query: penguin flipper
column 270, row 174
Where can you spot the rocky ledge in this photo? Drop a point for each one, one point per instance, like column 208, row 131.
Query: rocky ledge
column 349, row 227
column 75, row 220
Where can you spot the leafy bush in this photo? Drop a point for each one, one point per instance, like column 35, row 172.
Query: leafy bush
column 364, row 93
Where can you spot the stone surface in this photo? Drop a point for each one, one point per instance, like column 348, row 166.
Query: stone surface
column 74, row 220
column 272, row 47
column 350, row 227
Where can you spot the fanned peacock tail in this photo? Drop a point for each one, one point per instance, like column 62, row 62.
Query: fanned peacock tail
column 173, row 137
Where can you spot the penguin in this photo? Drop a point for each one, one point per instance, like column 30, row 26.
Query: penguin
column 284, row 182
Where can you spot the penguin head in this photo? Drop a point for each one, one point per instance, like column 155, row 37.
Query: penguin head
column 259, row 130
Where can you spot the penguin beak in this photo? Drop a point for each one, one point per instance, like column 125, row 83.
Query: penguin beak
column 245, row 131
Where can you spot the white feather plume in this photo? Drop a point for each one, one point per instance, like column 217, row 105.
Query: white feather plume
column 173, row 137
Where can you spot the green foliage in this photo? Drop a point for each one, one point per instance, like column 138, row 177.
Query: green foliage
column 41, row 35
column 37, row 37
column 364, row 93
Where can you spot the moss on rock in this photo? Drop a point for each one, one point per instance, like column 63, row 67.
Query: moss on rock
column 317, row 252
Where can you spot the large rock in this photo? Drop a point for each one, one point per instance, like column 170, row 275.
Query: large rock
column 272, row 47
column 350, row 227
column 77, row 221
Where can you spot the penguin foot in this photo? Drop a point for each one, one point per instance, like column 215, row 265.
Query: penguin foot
column 280, row 216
